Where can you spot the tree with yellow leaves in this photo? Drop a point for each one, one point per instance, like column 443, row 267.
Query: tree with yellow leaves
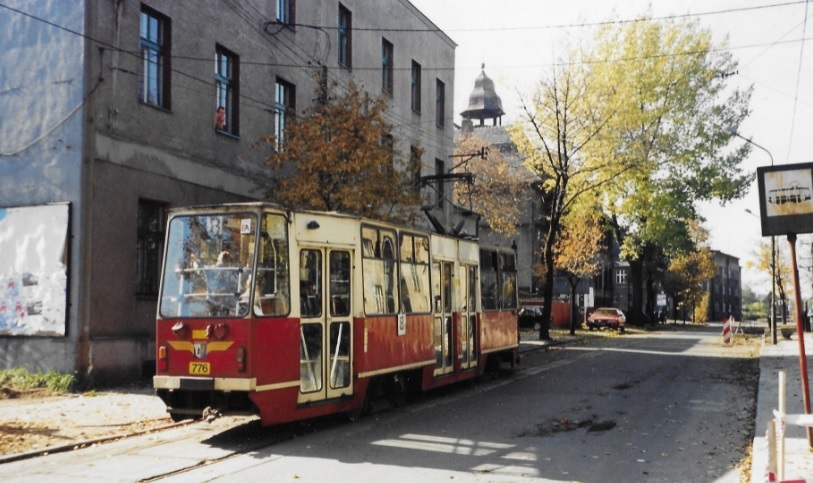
column 782, row 284
column 577, row 251
column 689, row 270
column 341, row 157
column 498, row 191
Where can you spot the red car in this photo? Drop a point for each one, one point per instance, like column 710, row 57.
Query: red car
column 606, row 317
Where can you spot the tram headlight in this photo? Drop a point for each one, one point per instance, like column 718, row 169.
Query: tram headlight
column 241, row 359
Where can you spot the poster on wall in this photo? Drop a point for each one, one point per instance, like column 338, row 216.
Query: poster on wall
column 33, row 270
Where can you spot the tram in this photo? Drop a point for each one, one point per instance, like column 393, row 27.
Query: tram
column 294, row 315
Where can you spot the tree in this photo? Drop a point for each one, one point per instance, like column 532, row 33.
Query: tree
column 753, row 306
column 689, row 271
column 558, row 124
column 497, row 189
column 693, row 269
column 340, row 157
column 667, row 119
column 762, row 262
column 577, row 252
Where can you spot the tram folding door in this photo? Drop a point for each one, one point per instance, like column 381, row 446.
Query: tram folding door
column 442, row 274
column 325, row 330
column 468, row 317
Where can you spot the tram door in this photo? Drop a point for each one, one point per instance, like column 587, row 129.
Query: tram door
column 468, row 317
column 325, row 331
column 442, row 280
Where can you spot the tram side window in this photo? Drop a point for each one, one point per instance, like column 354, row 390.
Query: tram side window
column 508, row 281
column 415, row 274
column 272, row 290
column 310, row 283
column 378, row 252
column 339, row 283
column 489, row 288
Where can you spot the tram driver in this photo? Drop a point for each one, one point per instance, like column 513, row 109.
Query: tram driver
column 222, row 285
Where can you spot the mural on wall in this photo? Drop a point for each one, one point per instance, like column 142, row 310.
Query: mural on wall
column 33, row 270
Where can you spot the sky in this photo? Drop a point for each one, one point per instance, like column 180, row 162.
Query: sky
column 518, row 40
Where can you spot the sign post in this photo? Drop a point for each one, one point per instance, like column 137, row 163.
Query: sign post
column 786, row 208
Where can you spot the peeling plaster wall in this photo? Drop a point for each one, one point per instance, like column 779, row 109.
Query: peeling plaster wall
column 42, row 100
column 74, row 130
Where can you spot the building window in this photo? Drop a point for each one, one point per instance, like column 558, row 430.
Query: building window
column 150, row 245
column 345, row 37
column 388, row 142
column 415, row 166
column 416, row 86
column 285, row 102
column 285, row 11
column 620, row 277
column 440, row 103
column 440, row 168
column 227, row 75
column 153, row 85
column 386, row 66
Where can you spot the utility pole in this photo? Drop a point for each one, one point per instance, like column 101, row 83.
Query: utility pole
column 734, row 132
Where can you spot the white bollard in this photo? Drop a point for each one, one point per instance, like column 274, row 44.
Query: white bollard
column 780, row 430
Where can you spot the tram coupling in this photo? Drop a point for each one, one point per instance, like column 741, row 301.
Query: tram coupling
column 210, row 414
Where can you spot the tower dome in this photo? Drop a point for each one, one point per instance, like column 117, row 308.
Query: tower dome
column 484, row 103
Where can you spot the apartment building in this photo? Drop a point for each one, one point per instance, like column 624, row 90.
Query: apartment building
column 116, row 111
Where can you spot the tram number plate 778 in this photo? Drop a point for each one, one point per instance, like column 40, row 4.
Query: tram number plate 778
column 199, row 368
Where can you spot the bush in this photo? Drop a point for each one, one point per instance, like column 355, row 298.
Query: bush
column 20, row 379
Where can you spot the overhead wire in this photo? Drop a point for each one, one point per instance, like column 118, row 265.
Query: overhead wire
column 308, row 62
column 798, row 79
column 562, row 26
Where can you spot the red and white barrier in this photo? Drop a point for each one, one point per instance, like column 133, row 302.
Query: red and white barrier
column 727, row 335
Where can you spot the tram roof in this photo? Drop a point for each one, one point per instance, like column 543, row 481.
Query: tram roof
column 260, row 205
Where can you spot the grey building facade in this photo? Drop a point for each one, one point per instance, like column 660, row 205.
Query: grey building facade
column 725, row 289
column 112, row 111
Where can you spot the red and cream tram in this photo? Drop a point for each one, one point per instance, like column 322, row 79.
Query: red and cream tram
column 293, row 315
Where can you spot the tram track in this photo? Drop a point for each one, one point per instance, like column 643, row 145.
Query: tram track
column 187, row 448
column 383, row 413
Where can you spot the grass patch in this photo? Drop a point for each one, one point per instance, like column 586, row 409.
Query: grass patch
column 20, row 379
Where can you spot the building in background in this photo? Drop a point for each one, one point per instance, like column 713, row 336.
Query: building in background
column 725, row 289
column 115, row 112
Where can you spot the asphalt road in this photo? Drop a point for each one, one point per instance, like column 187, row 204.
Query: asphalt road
column 668, row 406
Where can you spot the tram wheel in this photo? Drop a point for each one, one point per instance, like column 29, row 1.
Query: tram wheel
column 363, row 410
column 397, row 390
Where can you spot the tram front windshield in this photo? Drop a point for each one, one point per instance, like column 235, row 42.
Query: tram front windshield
column 210, row 267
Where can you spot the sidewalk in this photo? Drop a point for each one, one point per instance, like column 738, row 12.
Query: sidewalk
column 774, row 358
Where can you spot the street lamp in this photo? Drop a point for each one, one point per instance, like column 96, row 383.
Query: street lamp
column 732, row 131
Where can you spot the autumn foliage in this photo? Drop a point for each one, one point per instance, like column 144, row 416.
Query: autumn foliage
column 341, row 157
column 498, row 189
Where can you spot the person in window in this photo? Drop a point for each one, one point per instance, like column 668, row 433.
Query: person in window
column 194, row 275
column 220, row 119
column 309, row 299
column 223, row 285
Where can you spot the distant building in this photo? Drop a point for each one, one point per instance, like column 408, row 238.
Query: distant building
column 725, row 289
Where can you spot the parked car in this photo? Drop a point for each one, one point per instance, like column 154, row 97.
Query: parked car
column 530, row 317
column 606, row 317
